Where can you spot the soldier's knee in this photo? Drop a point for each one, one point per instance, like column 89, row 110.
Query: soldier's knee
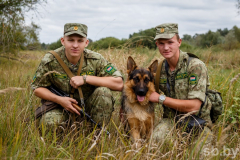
column 53, row 118
column 104, row 96
column 162, row 130
column 102, row 91
column 101, row 104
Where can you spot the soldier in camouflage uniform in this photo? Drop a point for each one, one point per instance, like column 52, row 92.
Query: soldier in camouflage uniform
column 97, row 78
column 188, row 83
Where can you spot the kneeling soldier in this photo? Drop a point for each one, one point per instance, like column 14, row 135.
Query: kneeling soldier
column 184, row 82
column 96, row 77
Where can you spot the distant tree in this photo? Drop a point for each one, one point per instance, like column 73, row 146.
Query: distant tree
column 143, row 38
column 14, row 34
column 197, row 39
column 31, row 37
column 105, row 43
column 187, row 37
column 186, row 47
column 236, row 31
column 44, row 46
column 130, row 36
column 210, row 38
column 223, row 32
column 55, row 45
column 231, row 41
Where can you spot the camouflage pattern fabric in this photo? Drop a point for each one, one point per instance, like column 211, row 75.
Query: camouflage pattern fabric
column 166, row 30
column 99, row 106
column 166, row 127
column 191, row 82
column 98, row 100
column 75, row 28
column 51, row 72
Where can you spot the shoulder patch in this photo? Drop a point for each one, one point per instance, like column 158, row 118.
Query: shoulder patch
column 109, row 69
column 193, row 79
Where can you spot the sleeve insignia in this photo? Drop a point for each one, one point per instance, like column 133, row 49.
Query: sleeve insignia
column 109, row 69
column 193, row 79
column 34, row 78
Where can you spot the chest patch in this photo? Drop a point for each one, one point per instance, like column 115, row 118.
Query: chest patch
column 87, row 73
column 181, row 76
column 163, row 81
column 60, row 76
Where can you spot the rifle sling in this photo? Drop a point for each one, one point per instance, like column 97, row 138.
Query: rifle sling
column 70, row 74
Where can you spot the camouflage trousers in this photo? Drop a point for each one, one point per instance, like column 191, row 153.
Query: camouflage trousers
column 166, row 131
column 99, row 106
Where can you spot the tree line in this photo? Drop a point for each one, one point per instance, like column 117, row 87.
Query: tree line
column 226, row 39
column 16, row 35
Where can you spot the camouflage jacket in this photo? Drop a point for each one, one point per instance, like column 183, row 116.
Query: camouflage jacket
column 187, row 81
column 51, row 72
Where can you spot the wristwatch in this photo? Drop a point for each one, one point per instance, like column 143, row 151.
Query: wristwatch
column 85, row 79
column 161, row 98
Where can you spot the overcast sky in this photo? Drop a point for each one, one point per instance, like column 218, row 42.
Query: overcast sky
column 119, row 18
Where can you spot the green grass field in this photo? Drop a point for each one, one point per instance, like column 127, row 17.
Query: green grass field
column 20, row 139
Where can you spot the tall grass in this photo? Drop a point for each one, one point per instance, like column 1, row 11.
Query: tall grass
column 20, row 139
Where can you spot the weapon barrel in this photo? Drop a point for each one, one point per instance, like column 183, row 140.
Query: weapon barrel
column 57, row 91
column 88, row 116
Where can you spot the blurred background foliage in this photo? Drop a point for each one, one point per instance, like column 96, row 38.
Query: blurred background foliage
column 16, row 35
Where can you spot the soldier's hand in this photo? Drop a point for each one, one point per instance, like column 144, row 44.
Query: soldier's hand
column 154, row 97
column 66, row 102
column 76, row 81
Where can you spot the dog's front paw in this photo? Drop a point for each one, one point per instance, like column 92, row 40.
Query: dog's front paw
column 137, row 144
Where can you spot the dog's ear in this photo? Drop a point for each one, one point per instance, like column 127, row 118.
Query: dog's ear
column 153, row 67
column 131, row 65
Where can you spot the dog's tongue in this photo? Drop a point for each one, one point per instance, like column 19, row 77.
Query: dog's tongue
column 140, row 98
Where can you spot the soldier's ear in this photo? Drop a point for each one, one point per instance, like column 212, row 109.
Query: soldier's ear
column 153, row 67
column 131, row 65
column 87, row 42
column 62, row 41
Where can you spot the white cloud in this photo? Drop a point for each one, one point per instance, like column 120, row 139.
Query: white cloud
column 120, row 18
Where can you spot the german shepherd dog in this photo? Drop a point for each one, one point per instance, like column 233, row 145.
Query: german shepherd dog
column 137, row 113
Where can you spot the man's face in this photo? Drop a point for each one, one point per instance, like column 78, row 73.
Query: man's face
column 168, row 47
column 74, row 45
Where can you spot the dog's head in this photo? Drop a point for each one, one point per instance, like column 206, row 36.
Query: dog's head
column 141, row 80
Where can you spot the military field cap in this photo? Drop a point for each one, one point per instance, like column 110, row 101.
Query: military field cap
column 75, row 28
column 166, row 30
